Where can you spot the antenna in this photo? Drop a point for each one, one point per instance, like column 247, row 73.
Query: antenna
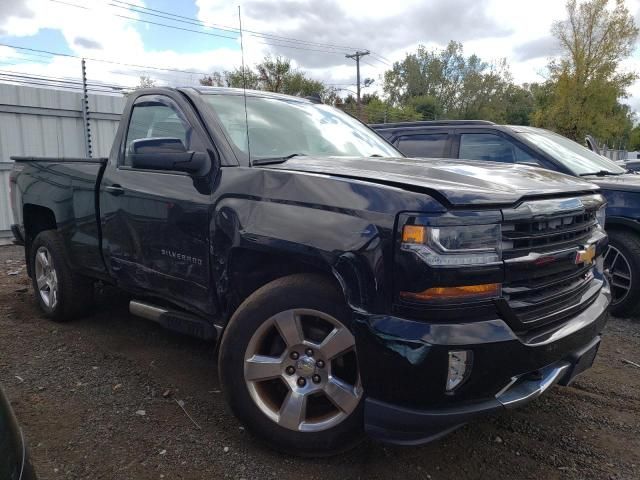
column 244, row 86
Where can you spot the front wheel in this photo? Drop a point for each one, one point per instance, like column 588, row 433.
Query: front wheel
column 289, row 369
column 622, row 259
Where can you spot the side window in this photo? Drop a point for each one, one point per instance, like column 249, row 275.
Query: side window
column 524, row 157
column 429, row 145
column 156, row 120
column 486, row 146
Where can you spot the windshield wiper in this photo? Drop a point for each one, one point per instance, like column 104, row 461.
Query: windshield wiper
column 271, row 161
column 600, row 173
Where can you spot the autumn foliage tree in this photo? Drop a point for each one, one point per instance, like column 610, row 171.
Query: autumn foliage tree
column 586, row 86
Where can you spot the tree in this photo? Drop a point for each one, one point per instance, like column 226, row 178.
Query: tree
column 585, row 87
column 232, row 79
column 447, row 84
column 634, row 139
column 273, row 74
column 146, row 82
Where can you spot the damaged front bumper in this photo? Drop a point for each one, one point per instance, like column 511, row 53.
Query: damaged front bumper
column 404, row 368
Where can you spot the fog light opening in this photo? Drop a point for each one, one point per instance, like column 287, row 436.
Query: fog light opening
column 459, row 368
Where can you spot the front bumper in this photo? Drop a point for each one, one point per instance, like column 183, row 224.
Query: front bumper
column 404, row 364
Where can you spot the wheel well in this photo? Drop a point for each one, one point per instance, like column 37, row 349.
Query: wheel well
column 37, row 219
column 249, row 270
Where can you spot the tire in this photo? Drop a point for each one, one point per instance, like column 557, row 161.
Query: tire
column 252, row 336
column 623, row 260
column 61, row 294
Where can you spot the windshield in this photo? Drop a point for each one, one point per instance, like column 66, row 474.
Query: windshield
column 580, row 160
column 281, row 127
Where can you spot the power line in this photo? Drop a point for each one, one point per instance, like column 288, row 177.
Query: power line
column 52, row 84
column 68, row 55
column 335, row 49
column 228, row 28
column 147, row 21
column 30, row 76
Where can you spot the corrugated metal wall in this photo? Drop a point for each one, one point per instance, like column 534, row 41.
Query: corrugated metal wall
column 48, row 122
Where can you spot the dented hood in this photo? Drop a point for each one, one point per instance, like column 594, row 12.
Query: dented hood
column 457, row 183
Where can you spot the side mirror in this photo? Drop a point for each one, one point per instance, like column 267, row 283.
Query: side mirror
column 166, row 154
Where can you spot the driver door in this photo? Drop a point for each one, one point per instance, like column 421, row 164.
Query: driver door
column 155, row 223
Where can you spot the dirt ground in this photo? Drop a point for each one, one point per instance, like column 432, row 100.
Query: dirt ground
column 100, row 398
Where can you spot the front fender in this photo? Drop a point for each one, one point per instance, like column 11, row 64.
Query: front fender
column 350, row 248
column 344, row 227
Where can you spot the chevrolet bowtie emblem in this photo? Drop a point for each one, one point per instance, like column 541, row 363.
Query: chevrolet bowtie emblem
column 586, row 256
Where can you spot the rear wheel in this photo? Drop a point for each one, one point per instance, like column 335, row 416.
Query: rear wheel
column 289, row 368
column 61, row 294
column 622, row 259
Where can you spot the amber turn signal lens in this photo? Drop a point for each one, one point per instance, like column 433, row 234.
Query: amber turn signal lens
column 414, row 234
column 467, row 292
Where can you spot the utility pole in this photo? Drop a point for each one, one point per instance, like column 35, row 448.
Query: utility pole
column 85, row 111
column 356, row 56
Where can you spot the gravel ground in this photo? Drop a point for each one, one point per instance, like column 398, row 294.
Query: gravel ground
column 101, row 397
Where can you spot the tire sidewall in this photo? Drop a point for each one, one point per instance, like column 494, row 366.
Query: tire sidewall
column 620, row 240
column 296, row 291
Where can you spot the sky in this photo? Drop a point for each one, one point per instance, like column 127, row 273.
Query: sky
column 125, row 39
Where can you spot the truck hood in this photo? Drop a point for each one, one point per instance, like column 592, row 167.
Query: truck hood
column 452, row 182
column 627, row 182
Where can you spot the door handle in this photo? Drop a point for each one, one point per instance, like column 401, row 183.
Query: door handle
column 114, row 189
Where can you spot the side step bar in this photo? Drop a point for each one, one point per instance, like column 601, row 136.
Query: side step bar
column 176, row 321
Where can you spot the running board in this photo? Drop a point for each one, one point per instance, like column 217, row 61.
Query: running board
column 180, row 322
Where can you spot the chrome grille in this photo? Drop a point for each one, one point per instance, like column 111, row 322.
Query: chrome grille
column 543, row 283
column 558, row 232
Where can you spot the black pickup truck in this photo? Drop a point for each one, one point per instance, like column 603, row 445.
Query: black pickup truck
column 346, row 287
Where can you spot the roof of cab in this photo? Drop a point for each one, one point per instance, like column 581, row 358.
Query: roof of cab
column 252, row 93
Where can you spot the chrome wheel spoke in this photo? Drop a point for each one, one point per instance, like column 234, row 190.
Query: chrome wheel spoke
column 43, row 258
column 615, row 259
column 53, row 297
column 293, row 410
column 42, row 281
column 259, row 368
column 288, row 325
column 343, row 396
column 336, row 343
column 621, row 276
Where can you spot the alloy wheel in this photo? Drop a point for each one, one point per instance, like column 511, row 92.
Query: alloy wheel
column 46, row 277
column 301, row 370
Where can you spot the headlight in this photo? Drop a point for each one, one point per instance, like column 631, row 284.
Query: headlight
column 601, row 216
column 453, row 245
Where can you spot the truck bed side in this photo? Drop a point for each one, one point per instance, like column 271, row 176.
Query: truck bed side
column 61, row 194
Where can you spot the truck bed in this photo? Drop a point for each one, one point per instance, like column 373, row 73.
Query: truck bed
column 67, row 187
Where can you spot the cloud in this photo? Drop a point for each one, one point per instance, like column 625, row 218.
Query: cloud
column 491, row 29
column 540, row 47
column 15, row 8
column 87, row 43
column 357, row 24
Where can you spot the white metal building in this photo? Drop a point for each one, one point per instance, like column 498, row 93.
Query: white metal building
column 48, row 122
